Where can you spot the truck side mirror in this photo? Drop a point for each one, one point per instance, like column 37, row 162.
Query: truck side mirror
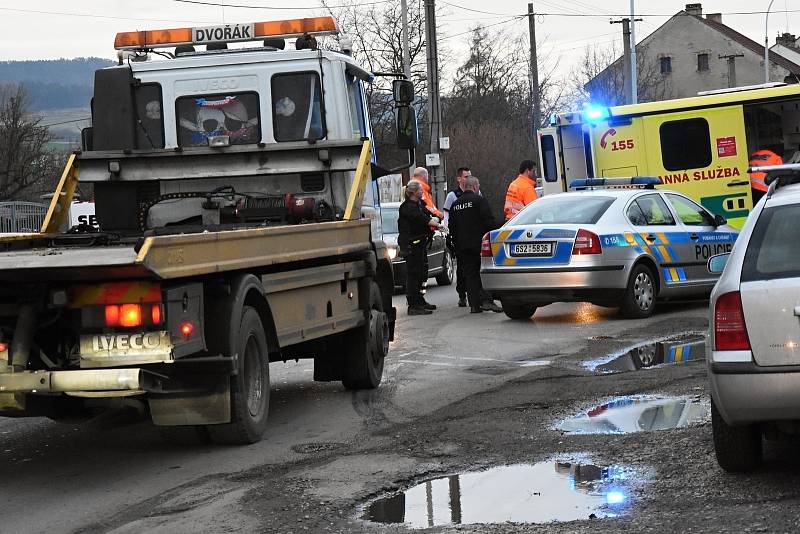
column 403, row 92
column 407, row 131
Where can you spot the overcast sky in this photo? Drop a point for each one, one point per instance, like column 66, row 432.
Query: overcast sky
column 46, row 29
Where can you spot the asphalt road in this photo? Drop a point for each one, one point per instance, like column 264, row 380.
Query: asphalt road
column 460, row 392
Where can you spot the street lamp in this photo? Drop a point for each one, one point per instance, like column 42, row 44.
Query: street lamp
column 766, row 43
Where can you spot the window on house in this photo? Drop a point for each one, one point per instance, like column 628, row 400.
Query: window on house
column 666, row 65
column 702, row 62
column 685, row 144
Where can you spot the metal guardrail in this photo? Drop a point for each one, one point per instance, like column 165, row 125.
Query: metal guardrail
column 21, row 217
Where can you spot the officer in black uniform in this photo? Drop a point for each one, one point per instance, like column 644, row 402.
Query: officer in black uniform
column 415, row 226
column 470, row 218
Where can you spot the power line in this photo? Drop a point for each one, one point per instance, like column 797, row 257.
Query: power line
column 512, row 19
column 93, row 16
column 480, row 11
column 280, row 8
column 66, row 122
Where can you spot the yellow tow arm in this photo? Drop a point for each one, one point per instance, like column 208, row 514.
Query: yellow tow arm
column 356, row 197
column 62, row 198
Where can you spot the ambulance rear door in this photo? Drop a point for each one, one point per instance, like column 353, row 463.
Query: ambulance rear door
column 576, row 151
column 550, row 156
column 702, row 154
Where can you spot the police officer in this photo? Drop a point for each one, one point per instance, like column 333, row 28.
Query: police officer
column 415, row 225
column 452, row 196
column 470, row 219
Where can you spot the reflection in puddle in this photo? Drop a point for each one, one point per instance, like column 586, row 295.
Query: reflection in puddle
column 670, row 351
column 638, row 413
column 541, row 493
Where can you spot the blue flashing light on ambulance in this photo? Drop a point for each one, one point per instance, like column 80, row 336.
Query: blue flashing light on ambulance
column 699, row 146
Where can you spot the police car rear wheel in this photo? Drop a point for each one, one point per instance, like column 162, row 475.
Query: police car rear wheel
column 640, row 296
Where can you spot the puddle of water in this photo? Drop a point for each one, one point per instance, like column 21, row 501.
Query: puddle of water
column 541, row 493
column 636, row 414
column 683, row 349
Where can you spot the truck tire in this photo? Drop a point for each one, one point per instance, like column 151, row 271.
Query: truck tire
column 249, row 387
column 445, row 278
column 738, row 448
column 639, row 299
column 519, row 311
column 366, row 347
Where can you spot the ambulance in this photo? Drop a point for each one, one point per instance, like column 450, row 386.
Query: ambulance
column 699, row 146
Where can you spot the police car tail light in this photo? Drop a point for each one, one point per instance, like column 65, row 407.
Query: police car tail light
column 486, row 246
column 730, row 329
column 586, row 242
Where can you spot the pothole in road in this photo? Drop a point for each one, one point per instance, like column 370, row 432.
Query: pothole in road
column 541, row 493
column 625, row 415
column 313, row 447
column 675, row 350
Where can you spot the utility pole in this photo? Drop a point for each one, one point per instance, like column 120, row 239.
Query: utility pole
column 634, row 77
column 406, row 53
column 626, row 58
column 536, row 117
column 731, row 67
column 434, row 108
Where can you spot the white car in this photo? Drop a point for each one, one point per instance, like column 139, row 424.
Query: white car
column 753, row 351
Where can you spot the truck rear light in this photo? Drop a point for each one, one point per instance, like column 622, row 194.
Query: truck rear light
column 187, row 329
column 730, row 329
column 486, row 246
column 156, row 314
column 586, row 242
column 3, row 346
column 126, row 315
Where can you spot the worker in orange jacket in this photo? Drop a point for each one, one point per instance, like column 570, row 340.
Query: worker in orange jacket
column 421, row 176
column 522, row 190
column 761, row 158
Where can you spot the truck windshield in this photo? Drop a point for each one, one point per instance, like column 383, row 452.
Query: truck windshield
column 297, row 107
column 201, row 117
column 569, row 208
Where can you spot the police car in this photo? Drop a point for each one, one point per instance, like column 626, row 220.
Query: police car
column 614, row 242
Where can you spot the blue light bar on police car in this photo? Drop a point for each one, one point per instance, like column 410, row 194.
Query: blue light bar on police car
column 635, row 181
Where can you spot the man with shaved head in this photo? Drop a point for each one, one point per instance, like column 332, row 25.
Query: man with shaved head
column 421, row 176
column 470, row 219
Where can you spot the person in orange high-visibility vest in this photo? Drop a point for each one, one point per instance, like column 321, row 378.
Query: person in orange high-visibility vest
column 759, row 158
column 522, row 190
column 421, row 176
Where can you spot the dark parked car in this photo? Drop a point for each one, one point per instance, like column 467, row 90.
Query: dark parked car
column 440, row 260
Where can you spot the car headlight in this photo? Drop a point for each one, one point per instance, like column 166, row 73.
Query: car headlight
column 392, row 252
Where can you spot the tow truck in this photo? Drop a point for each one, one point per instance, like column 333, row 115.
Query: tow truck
column 238, row 225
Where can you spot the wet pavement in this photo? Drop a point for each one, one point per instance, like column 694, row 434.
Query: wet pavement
column 675, row 350
column 541, row 493
column 638, row 413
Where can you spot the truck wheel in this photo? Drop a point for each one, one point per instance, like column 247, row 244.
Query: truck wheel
column 738, row 448
column 445, row 278
column 639, row 300
column 367, row 346
column 250, row 386
column 519, row 311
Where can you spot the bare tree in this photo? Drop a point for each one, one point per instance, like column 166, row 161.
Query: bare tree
column 599, row 78
column 26, row 164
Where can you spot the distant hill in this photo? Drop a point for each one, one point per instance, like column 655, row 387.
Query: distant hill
column 54, row 83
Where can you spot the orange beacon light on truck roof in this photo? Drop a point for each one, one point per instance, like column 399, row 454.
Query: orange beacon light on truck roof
column 225, row 33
